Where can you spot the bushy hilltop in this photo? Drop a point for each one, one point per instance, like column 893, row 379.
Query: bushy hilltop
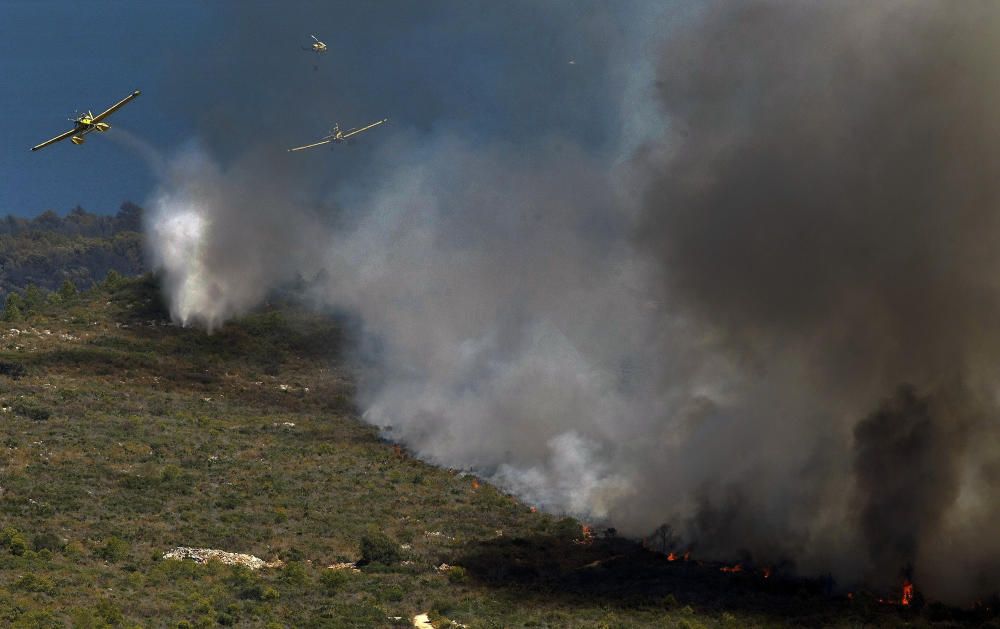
column 81, row 248
column 132, row 449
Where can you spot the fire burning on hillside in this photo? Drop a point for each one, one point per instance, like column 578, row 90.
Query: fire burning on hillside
column 747, row 288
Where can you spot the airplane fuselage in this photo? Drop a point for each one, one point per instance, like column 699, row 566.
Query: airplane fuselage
column 85, row 124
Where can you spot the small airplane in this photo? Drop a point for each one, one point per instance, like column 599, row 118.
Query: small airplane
column 317, row 45
column 85, row 123
column 336, row 135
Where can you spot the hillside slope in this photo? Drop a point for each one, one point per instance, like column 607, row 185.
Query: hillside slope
column 125, row 437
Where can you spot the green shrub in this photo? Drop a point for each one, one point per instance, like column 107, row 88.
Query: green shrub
column 334, row 579
column 37, row 619
column 33, row 583
column 73, row 549
column 170, row 473
column 270, row 594
column 456, row 574
column 392, row 594
column 690, row 623
column 377, row 547
column 241, row 577
column 567, row 528
column 109, row 612
column 114, row 550
column 294, row 573
column 11, row 369
column 13, row 541
column 32, row 410
column 440, row 608
column 47, row 541
column 257, row 592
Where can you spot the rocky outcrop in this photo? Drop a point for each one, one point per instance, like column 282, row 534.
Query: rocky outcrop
column 204, row 555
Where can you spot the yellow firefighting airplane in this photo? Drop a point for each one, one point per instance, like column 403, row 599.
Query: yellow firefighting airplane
column 317, row 45
column 85, row 123
column 336, row 135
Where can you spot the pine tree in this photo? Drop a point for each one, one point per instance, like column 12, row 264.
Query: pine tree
column 112, row 279
column 34, row 297
column 67, row 291
column 12, row 308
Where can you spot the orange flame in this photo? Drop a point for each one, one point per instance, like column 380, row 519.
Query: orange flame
column 672, row 556
column 732, row 569
column 766, row 572
column 475, row 484
column 907, row 597
column 687, row 555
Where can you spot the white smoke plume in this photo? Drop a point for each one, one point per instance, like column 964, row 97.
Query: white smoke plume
column 769, row 325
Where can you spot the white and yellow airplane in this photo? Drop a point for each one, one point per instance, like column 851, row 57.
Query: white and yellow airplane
column 317, row 45
column 336, row 135
column 85, row 123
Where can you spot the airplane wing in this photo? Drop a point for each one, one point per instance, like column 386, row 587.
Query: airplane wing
column 357, row 131
column 309, row 146
column 58, row 138
column 112, row 109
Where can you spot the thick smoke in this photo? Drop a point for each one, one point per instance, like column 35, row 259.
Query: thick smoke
column 769, row 325
column 828, row 200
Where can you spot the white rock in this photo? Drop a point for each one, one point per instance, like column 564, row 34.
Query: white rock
column 204, row 555
column 422, row 621
column 347, row 565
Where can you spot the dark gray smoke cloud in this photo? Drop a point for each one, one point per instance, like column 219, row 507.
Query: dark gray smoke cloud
column 680, row 280
column 828, row 199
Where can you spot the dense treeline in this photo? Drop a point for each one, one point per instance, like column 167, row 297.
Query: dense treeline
column 79, row 222
column 49, row 251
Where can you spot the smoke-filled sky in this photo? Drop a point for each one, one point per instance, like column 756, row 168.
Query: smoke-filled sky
column 732, row 269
